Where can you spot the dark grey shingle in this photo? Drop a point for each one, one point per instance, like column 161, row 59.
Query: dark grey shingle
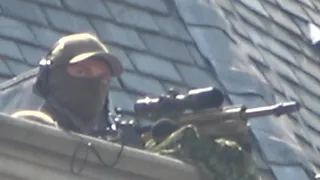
column 294, row 8
column 308, row 82
column 213, row 43
column 4, row 70
column 272, row 79
column 122, row 100
column 224, row 4
column 196, row 77
column 17, row 67
column 276, row 149
column 258, row 159
column 114, row 83
column 279, row 66
column 280, row 84
column 309, row 151
column 153, row 5
column 112, row 33
column 310, row 67
column 272, row 1
column 311, row 136
column 310, row 118
column 46, row 37
column 3, row 79
column 66, row 21
column 303, row 26
column 143, row 84
column 256, row 35
column 250, row 16
column 314, row 16
column 307, row 3
column 56, row 3
column 10, row 48
column 256, row 6
column 284, row 36
column 32, row 54
column 236, row 80
column 282, row 18
column 280, row 50
column 279, row 97
column 155, row 66
column 92, row 7
column 130, row 16
column 199, row 14
column 289, row 172
column 251, row 51
column 30, row 11
column 288, row 88
column 266, row 174
column 122, row 56
column 310, row 101
column 237, row 27
column 317, row 4
column 172, row 27
column 309, row 50
column 14, row 29
column 167, row 47
column 198, row 58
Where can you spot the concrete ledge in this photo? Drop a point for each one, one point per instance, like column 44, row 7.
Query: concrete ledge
column 34, row 151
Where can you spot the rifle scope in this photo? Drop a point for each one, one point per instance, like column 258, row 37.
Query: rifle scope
column 173, row 103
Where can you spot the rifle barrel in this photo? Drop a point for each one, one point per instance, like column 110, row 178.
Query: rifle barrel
column 211, row 116
column 277, row 110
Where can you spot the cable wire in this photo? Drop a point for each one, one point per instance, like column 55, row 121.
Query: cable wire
column 89, row 146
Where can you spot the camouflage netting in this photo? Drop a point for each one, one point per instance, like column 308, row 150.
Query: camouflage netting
column 216, row 158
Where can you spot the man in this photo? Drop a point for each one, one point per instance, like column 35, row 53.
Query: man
column 74, row 81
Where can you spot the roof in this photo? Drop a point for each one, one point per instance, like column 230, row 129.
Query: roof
column 259, row 52
column 280, row 38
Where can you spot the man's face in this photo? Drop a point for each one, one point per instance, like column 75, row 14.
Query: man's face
column 91, row 68
column 82, row 87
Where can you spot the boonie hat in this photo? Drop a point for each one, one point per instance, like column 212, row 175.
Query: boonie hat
column 80, row 47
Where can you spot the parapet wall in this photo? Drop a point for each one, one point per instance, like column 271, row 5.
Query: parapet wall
column 33, row 151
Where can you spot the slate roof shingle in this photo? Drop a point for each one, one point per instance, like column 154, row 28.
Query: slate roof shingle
column 276, row 36
column 258, row 51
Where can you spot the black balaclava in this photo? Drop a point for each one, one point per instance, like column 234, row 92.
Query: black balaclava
column 84, row 97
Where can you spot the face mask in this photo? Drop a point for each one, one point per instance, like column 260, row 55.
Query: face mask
column 83, row 96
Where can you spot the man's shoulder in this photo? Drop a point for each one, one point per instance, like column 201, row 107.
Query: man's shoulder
column 34, row 116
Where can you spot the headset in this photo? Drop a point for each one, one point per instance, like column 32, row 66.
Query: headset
column 41, row 84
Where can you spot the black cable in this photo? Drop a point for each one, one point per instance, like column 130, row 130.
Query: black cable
column 74, row 157
column 89, row 146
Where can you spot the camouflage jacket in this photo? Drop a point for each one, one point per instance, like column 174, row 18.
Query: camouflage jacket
column 216, row 159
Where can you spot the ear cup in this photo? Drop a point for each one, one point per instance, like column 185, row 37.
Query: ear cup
column 41, row 85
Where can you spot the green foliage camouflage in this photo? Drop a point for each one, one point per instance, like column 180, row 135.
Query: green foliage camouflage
column 216, row 159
